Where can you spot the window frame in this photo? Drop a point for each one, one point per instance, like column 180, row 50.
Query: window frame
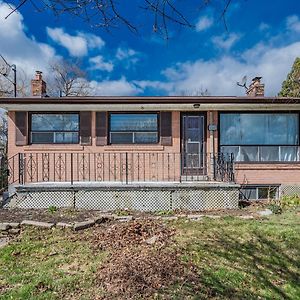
column 133, row 113
column 56, row 131
column 257, row 187
column 260, row 145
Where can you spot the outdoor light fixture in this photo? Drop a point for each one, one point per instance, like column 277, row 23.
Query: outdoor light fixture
column 196, row 105
column 212, row 127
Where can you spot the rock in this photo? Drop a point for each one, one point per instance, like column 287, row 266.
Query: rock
column 213, row 216
column 169, row 218
column 264, row 213
column 37, row 224
column 103, row 218
column 4, row 226
column 14, row 231
column 123, row 218
column 151, row 240
column 63, row 225
column 14, row 225
column 3, row 242
column 83, row 225
column 195, row 217
column 246, row 217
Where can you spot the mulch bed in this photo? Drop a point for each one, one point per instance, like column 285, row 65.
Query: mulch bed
column 44, row 215
column 71, row 215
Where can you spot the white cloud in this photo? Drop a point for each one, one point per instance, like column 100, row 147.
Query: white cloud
column 293, row 23
column 127, row 56
column 263, row 26
column 225, row 41
column 120, row 87
column 219, row 76
column 77, row 45
column 204, row 23
column 20, row 49
column 98, row 63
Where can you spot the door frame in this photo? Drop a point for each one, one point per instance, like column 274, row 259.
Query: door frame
column 201, row 170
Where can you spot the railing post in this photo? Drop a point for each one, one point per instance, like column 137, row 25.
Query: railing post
column 214, row 166
column 71, row 168
column 126, row 167
column 21, row 168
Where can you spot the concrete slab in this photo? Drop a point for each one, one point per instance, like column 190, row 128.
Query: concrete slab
column 83, row 225
column 37, row 224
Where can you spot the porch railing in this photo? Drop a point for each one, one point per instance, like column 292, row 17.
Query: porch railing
column 123, row 167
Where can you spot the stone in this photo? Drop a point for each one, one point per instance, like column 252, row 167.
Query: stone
column 14, row 230
column 4, row 241
column 103, row 218
column 14, row 225
column 63, row 225
column 123, row 218
column 195, row 217
column 264, row 213
column 83, row 225
column 169, row 218
column 213, row 216
column 37, row 224
column 4, row 226
column 246, row 217
column 151, row 240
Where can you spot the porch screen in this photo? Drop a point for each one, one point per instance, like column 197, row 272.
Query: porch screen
column 133, row 128
column 54, row 128
column 260, row 136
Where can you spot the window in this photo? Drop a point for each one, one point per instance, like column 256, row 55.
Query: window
column 134, row 128
column 260, row 136
column 259, row 192
column 54, row 128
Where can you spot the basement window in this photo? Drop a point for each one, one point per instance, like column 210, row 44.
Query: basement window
column 54, row 128
column 259, row 192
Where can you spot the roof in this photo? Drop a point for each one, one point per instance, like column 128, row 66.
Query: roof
column 149, row 99
column 114, row 103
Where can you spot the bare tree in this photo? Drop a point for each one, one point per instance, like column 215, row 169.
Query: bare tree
column 68, row 79
column 7, row 87
column 109, row 14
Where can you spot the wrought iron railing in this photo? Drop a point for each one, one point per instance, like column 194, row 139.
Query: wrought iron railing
column 123, row 167
column 224, row 167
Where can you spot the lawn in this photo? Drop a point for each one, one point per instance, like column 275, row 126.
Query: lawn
column 229, row 258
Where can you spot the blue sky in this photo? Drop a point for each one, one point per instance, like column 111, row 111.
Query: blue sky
column 262, row 39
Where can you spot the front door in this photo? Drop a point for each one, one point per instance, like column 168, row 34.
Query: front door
column 193, row 146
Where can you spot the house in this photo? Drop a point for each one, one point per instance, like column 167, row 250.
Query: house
column 152, row 152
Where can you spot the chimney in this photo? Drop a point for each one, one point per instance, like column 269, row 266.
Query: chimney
column 38, row 85
column 256, row 88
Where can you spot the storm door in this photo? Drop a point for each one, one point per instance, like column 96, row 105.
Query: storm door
column 193, row 146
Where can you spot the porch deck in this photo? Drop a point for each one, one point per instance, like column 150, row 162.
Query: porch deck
column 137, row 181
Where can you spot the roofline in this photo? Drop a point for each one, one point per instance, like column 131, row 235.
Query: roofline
column 149, row 99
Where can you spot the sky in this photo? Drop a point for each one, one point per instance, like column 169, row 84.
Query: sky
column 262, row 38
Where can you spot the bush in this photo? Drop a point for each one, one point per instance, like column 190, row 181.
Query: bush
column 275, row 208
column 290, row 201
column 52, row 209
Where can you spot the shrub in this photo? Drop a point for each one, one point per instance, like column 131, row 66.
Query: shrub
column 52, row 209
column 290, row 201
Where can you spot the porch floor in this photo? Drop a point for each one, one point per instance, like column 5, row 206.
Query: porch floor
column 118, row 184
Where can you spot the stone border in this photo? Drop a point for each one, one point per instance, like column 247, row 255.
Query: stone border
column 15, row 228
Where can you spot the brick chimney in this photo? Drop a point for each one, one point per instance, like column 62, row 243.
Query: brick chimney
column 38, row 85
column 256, row 88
